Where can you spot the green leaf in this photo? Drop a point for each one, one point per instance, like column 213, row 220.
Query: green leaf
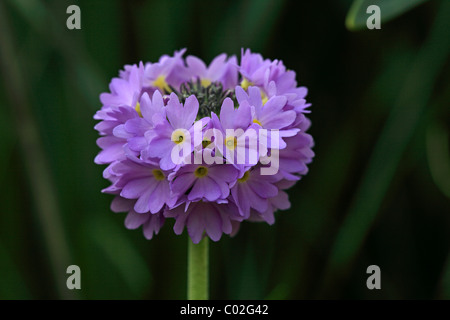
column 390, row 9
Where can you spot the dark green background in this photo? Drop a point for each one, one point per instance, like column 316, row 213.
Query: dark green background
column 377, row 191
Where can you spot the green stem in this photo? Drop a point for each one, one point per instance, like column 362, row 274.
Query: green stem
column 198, row 272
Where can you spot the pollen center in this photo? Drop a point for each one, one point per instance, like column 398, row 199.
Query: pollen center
column 231, row 142
column 161, row 83
column 178, row 136
column 205, row 82
column 245, row 84
column 264, row 98
column 201, row 171
column 244, row 177
column 206, row 143
column 158, row 174
column 138, row 109
column 257, row 122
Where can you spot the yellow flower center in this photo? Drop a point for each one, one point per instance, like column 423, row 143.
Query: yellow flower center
column 257, row 122
column 201, row 171
column 161, row 83
column 178, row 136
column 244, row 177
column 245, row 84
column 264, row 98
column 205, row 143
column 205, row 82
column 158, row 174
column 231, row 142
column 138, row 109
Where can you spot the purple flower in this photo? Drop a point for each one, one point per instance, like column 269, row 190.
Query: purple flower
column 135, row 128
column 112, row 146
column 173, row 132
column 220, row 69
column 294, row 159
column 253, row 69
column 238, row 132
column 204, row 182
column 151, row 222
column 207, row 146
column 252, row 191
column 272, row 78
column 124, row 92
column 167, row 71
column 205, row 217
column 278, row 202
column 270, row 116
column 145, row 182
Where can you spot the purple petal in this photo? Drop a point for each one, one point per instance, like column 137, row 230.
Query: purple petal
column 153, row 225
column 213, row 224
column 204, row 188
column 195, row 226
column 143, row 203
column 197, row 66
column 190, row 111
column 182, row 183
column 159, row 147
column 120, row 204
column 135, row 188
column 158, row 197
column 135, row 220
column 216, row 67
column 225, row 172
column 281, row 201
column 263, row 188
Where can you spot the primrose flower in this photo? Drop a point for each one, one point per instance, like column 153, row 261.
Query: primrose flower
column 167, row 71
column 173, row 132
column 112, row 146
column 237, row 131
column 253, row 190
column 209, row 146
column 220, row 69
column 204, row 182
column 124, row 91
column 210, row 218
column 142, row 181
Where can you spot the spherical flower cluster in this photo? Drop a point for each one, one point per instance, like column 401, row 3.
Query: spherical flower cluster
column 209, row 146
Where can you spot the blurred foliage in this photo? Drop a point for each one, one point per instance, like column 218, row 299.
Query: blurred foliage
column 357, row 15
column 377, row 191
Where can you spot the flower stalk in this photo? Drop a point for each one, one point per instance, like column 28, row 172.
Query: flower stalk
column 198, row 270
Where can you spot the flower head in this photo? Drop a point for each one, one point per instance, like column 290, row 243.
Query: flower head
column 207, row 145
